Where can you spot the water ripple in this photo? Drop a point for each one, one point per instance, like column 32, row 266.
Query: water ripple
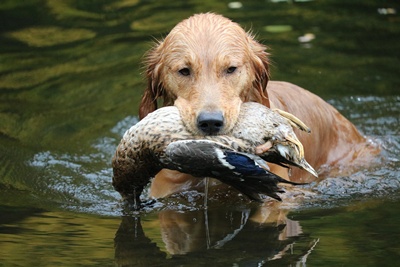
column 82, row 182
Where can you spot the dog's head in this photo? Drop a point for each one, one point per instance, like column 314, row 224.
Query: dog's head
column 206, row 66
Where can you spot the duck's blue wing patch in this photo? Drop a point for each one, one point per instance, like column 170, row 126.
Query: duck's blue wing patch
column 243, row 164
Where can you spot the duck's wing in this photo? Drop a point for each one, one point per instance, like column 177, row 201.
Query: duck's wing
column 246, row 172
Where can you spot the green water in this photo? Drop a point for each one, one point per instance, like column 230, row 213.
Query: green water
column 70, row 83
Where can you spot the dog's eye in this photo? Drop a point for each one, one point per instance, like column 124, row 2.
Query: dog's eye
column 184, row 71
column 231, row 70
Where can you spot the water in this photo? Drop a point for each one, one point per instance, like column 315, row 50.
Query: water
column 70, row 84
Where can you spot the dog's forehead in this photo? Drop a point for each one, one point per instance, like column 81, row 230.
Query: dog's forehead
column 207, row 36
column 209, row 29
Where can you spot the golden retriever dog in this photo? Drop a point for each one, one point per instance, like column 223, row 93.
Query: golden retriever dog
column 208, row 65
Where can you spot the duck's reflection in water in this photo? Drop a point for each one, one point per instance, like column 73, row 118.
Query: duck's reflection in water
column 226, row 236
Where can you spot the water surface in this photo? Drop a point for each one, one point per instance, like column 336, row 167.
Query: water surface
column 70, row 83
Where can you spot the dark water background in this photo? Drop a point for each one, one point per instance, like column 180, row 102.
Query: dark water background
column 70, row 83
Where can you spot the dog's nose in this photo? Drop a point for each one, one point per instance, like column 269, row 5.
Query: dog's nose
column 210, row 122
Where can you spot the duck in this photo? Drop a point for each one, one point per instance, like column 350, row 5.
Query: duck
column 161, row 140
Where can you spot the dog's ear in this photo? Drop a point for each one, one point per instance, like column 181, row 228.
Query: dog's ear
column 154, row 88
column 260, row 64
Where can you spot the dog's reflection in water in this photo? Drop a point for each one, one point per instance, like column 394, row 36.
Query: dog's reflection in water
column 233, row 235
